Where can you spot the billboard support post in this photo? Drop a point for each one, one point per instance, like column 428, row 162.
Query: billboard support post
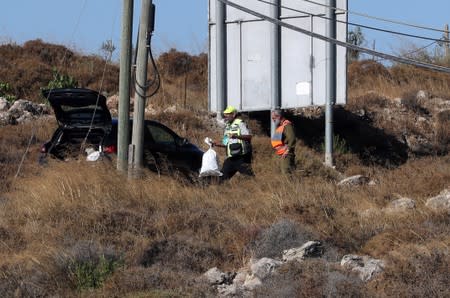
column 275, row 61
column 331, row 83
column 221, row 66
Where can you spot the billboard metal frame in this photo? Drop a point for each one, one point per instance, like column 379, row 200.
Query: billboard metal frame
column 248, row 64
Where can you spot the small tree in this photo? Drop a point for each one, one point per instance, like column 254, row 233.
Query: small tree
column 61, row 81
column 107, row 49
column 355, row 37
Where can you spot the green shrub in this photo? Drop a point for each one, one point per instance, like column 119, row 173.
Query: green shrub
column 339, row 145
column 5, row 90
column 92, row 273
column 61, row 81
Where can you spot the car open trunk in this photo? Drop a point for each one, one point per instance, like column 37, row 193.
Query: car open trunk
column 83, row 118
column 79, row 107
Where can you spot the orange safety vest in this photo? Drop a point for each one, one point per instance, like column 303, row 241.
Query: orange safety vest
column 277, row 139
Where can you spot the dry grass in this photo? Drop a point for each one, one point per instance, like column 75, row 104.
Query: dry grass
column 369, row 76
column 167, row 233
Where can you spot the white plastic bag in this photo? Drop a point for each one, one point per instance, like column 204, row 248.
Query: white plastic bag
column 210, row 166
column 92, row 154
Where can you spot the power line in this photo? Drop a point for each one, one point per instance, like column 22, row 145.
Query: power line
column 377, row 18
column 414, row 51
column 338, row 42
column 107, row 60
column 357, row 24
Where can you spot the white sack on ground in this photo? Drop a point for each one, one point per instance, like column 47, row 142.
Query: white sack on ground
column 210, row 165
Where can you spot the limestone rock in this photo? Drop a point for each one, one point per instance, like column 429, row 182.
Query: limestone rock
column 7, row 119
column 216, row 277
column 354, row 180
column 418, row 144
column 4, row 105
column 401, row 204
column 307, row 250
column 440, row 202
column 264, row 267
column 365, row 266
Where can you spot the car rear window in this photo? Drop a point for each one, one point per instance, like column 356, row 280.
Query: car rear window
column 161, row 135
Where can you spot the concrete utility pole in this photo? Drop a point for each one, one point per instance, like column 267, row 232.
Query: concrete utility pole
column 275, row 60
column 331, row 83
column 137, row 147
column 221, row 62
column 123, row 136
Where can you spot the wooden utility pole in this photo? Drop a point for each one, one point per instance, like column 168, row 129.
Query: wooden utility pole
column 123, row 136
column 137, row 147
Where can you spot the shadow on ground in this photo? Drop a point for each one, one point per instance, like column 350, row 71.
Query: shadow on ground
column 352, row 133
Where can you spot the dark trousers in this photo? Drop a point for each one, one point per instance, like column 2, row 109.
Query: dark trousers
column 234, row 164
column 287, row 163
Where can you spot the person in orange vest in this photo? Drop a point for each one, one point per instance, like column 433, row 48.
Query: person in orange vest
column 283, row 141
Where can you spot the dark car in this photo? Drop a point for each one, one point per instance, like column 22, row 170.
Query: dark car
column 164, row 150
column 84, row 122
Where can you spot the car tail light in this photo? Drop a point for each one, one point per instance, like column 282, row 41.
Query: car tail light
column 110, row 149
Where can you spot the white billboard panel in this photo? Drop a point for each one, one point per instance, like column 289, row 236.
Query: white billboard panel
column 249, row 56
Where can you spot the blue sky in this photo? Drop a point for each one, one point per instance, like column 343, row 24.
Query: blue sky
column 84, row 24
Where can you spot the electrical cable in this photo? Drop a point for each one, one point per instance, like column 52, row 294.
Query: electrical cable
column 156, row 75
column 357, row 24
column 83, row 143
column 109, row 58
column 414, row 51
column 338, row 42
column 377, row 18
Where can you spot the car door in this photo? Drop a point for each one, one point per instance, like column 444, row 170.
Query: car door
column 162, row 143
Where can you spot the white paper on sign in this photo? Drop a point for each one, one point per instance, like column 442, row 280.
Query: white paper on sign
column 302, row 88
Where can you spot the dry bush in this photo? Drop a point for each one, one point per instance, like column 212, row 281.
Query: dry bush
column 311, row 278
column 25, row 278
column 178, row 94
column 282, row 235
column 443, row 131
column 156, row 281
column 362, row 73
column 420, row 78
column 372, row 100
column 29, row 68
column 415, row 271
column 367, row 75
column 95, row 73
column 175, row 64
column 183, row 80
column 182, row 254
column 47, row 53
column 14, row 141
column 31, row 75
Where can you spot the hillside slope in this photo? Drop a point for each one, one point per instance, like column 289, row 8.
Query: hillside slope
column 76, row 229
